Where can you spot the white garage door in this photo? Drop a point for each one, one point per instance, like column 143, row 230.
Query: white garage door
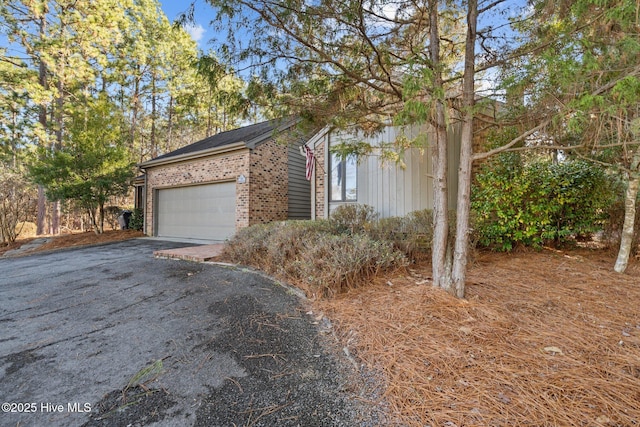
column 197, row 212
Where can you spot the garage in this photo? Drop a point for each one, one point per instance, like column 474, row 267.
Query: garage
column 205, row 212
column 211, row 188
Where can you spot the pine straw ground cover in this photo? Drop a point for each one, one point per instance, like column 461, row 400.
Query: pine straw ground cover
column 75, row 239
column 542, row 339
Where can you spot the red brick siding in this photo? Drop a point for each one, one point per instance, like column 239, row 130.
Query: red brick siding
column 223, row 167
column 320, row 168
column 262, row 198
column 268, row 183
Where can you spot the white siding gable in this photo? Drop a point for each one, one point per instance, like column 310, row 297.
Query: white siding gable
column 391, row 189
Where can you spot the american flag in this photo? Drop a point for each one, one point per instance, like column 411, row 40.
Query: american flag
column 310, row 162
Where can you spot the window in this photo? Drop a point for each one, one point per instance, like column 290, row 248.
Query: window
column 343, row 178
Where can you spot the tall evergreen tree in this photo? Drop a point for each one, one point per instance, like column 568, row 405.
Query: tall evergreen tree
column 363, row 61
column 67, row 51
column 62, row 40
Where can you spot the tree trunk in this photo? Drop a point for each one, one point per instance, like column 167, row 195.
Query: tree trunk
column 42, row 211
column 135, row 106
column 94, row 222
column 628, row 227
column 55, row 217
column 154, row 142
column 440, row 251
column 15, row 135
column 170, row 124
column 461, row 251
column 101, row 213
column 209, row 113
column 59, row 117
column 4, row 229
column 42, row 119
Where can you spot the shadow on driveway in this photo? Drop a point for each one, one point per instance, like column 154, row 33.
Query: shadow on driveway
column 110, row 336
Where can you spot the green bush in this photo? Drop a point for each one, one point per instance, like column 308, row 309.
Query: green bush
column 540, row 202
column 136, row 222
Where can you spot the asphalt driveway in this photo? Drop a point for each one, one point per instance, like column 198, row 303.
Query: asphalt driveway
column 108, row 335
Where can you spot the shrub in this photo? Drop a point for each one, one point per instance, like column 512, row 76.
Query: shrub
column 111, row 214
column 17, row 200
column 353, row 217
column 136, row 222
column 420, row 231
column 540, row 202
column 314, row 254
column 411, row 234
column 335, row 263
column 249, row 245
column 26, row 229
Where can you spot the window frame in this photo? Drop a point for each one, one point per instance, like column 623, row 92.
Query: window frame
column 344, row 162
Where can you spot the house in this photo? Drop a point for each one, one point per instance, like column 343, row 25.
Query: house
column 211, row 188
column 391, row 188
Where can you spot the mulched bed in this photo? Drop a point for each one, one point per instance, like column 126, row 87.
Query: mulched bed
column 542, row 339
column 76, row 239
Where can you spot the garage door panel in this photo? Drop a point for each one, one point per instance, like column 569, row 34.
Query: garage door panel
column 198, row 212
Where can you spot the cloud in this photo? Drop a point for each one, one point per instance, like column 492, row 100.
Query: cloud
column 195, row 31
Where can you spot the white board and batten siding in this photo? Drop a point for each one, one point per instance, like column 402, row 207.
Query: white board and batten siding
column 391, row 189
column 206, row 212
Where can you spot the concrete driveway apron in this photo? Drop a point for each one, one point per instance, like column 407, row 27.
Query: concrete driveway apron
column 110, row 336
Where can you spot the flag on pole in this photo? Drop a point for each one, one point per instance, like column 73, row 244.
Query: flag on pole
column 310, row 162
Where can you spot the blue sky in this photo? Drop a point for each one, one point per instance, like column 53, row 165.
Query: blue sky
column 202, row 31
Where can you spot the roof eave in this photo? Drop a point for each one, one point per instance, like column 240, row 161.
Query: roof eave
column 194, row 155
column 286, row 124
column 317, row 137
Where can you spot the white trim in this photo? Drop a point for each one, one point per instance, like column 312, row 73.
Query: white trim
column 315, row 139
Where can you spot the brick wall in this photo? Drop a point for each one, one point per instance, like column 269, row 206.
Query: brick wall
column 268, row 183
column 220, row 168
column 262, row 198
column 320, row 178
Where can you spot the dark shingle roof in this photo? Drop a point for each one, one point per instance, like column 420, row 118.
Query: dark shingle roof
column 244, row 134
